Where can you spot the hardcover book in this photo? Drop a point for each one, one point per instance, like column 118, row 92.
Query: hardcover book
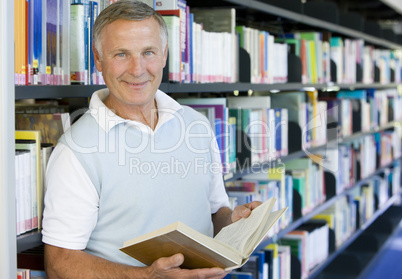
column 229, row 249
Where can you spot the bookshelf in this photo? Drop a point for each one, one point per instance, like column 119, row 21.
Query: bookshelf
column 84, row 91
column 30, row 240
column 311, row 21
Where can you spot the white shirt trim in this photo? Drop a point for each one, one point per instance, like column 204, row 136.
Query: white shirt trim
column 107, row 119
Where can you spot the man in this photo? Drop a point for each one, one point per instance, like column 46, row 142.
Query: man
column 135, row 162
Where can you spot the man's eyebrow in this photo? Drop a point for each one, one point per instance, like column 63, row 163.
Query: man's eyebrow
column 120, row 50
column 150, row 48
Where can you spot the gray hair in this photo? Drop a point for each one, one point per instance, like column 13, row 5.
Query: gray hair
column 126, row 10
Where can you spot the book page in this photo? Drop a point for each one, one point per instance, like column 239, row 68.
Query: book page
column 257, row 238
column 239, row 233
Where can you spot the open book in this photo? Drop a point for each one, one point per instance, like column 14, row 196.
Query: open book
column 229, row 249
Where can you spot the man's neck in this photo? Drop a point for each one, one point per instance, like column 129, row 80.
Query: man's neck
column 145, row 115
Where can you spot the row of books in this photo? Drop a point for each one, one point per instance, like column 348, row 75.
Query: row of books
column 358, row 159
column 341, row 218
column 301, row 176
column 28, row 180
column 357, row 62
column 261, row 187
column 306, row 177
column 257, row 129
column 268, row 58
column 301, row 250
column 36, row 134
column 24, row 273
column 53, row 41
column 363, row 110
column 54, row 46
column 307, row 246
column 273, row 262
column 247, row 130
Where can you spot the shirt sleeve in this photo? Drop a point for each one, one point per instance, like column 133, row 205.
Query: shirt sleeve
column 71, row 202
column 218, row 197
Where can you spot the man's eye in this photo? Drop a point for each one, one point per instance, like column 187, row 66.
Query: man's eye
column 147, row 53
column 121, row 54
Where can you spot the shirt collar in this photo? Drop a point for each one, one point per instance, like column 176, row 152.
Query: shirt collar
column 107, row 119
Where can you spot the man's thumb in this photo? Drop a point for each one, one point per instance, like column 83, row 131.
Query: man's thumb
column 176, row 260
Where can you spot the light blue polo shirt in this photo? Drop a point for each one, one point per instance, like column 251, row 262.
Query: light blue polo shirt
column 136, row 180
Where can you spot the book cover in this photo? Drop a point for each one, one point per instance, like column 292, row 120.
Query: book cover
column 229, row 249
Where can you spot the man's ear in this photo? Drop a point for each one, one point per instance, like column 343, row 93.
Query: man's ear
column 97, row 58
column 165, row 55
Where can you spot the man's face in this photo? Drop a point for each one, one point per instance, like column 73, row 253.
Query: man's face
column 132, row 61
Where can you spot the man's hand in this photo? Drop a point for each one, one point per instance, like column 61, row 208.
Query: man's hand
column 168, row 267
column 243, row 211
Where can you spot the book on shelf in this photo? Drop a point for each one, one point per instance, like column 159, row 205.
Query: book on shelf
column 298, row 242
column 221, row 127
column 28, row 192
column 172, row 19
column 252, row 266
column 263, row 129
column 23, row 191
column 318, row 241
column 229, row 249
column 271, row 253
column 304, row 170
column 258, row 186
column 35, row 136
column 280, row 70
column 151, row 3
column 336, row 48
column 50, row 125
column 21, row 16
column 182, row 6
column 222, row 20
column 239, row 275
column 25, row 273
column 284, row 256
column 281, row 131
column 298, row 111
column 46, row 150
column 77, row 62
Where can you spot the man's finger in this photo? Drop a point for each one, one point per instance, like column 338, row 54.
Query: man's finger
column 170, row 262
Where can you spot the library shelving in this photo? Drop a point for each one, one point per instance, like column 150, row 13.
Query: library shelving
column 82, row 91
column 8, row 265
column 253, row 10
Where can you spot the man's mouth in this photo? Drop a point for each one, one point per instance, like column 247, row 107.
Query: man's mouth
column 136, row 83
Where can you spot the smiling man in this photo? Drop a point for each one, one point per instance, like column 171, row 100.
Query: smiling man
column 96, row 198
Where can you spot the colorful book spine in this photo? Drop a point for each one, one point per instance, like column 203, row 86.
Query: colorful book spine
column 77, row 51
